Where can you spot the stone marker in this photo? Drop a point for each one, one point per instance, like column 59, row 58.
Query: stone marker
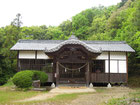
column 36, row 84
column 90, row 85
column 52, row 85
column 109, row 85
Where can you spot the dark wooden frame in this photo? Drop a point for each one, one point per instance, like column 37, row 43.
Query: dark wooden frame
column 88, row 55
column 127, row 65
column 114, row 77
column 18, row 61
column 90, row 77
column 109, row 67
column 98, row 63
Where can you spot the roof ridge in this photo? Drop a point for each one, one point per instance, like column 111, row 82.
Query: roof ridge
column 59, row 41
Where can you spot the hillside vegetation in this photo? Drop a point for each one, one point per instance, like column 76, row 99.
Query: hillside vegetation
column 118, row 23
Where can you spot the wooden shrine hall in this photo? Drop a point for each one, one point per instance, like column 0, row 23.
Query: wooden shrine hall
column 75, row 61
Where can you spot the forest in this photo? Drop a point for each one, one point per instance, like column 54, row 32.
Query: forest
column 120, row 22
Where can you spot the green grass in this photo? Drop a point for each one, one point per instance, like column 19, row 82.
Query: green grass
column 100, row 90
column 132, row 97
column 9, row 83
column 64, row 98
column 136, row 94
column 117, row 101
column 134, row 83
column 8, row 96
column 56, row 100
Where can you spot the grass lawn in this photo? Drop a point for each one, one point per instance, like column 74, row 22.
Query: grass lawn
column 65, row 97
column 132, row 97
column 8, row 96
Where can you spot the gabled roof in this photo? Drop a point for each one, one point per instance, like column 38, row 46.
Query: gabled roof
column 54, row 45
column 74, row 41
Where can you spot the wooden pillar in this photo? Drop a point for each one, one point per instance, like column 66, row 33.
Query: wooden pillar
column 57, row 73
column 35, row 65
column 35, row 54
column 87, row 75
column 54, row 71
column 108, row 67
column 127, row 66
column 18, row 68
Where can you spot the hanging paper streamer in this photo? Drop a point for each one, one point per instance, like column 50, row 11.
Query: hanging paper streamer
column 72, row 69
column 79, row 69
column 65, row 70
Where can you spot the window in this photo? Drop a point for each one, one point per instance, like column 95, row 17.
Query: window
column 24, row 61
column 98, row 66
column 36, row 64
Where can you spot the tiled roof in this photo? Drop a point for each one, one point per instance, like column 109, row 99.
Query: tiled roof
column 54, row 45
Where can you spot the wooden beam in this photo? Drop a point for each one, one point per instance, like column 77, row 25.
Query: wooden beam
column 54, row 70
column 87, row 75
column 57, row 74
column 109, row 66
column 35, row 57
column 127, row 65
column 36, row 54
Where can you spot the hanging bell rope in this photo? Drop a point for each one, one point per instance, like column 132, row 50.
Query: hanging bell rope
column 72, row 69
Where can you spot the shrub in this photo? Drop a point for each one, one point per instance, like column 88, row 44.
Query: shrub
column 23, row 79
column 9, row 82
column 5, row 74
column 39, row 75
column 134, row 81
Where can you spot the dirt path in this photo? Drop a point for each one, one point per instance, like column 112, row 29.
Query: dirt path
column 101, row 98
column 95, row 98
column 39, row 97
column 57, row 91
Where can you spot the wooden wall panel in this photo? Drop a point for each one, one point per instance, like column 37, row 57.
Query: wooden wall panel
column 103, row 77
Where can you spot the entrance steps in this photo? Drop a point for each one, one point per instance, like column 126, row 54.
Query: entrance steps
column 72, row 85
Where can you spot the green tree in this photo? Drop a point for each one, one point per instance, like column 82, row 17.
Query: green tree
column 66, row 27
column 54, row 33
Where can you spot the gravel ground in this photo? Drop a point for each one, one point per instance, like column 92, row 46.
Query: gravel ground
column 57, row 91
column 95, row 98
column 101, row 98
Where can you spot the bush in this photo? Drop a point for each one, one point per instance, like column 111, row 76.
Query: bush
column 39, row 75
column 9, row 82
column 24, row 79
column 134, row 81
column 5, row 74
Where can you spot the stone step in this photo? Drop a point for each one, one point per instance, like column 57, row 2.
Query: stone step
column 72, row 85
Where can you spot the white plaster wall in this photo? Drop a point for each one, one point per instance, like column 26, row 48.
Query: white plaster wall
column 114, row 68
column 26, row 54
column 118, row 55
column 41, row 55
column 113, row 55
column 104, row 55
column 122, row 67
column 106, row 66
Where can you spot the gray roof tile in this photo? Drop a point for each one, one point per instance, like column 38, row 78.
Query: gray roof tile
column 50, row 44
